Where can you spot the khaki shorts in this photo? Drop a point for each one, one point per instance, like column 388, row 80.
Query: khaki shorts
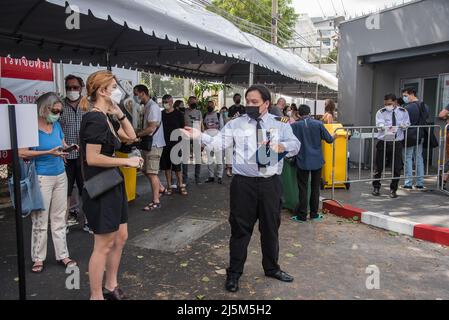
column 151, row 160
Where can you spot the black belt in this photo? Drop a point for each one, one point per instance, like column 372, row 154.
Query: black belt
column 257, row 179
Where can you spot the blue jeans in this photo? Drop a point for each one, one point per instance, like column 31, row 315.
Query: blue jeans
column 410, row 154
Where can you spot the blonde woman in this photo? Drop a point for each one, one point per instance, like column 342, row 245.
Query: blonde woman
column 107, row 214
column 48, row 157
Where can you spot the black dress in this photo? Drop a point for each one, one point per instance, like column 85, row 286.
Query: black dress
column 106, row 212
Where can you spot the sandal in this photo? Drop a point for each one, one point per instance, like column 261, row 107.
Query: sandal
column 296, row 219
column 168, row 191
column 37, row 268
column 152, row 206
column 183, row 191
column 319, row 218
column 68, row 264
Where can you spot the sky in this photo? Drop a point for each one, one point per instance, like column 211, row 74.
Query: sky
column 312, row 7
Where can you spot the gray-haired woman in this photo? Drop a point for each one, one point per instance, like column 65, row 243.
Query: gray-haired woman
column 50, row 169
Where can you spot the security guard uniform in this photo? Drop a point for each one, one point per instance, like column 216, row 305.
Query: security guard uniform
column 256, row 188
column 391, row 131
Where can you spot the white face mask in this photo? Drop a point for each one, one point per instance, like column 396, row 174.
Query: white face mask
column 116, row 95
column 289, row 113
column 137, row 100
column 73, row 95
column 389, row 108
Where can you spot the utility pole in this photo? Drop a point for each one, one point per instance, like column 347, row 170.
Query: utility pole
column 319, row 66
column 274, row 21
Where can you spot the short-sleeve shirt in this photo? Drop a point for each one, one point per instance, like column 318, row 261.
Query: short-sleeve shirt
column 49, row 165
column 153, row 113
column 96, row 130
column 171, row 121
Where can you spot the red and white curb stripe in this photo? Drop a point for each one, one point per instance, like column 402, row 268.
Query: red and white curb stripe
column 416, row 230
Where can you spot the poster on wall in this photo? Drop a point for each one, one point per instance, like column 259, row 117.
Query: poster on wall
column 23, row 81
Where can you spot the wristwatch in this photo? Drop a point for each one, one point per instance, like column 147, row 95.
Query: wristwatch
column 122, row 118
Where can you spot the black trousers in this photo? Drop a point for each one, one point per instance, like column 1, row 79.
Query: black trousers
column 314, row 202
column 398, row 162
column 73, row 171
column 255, row 199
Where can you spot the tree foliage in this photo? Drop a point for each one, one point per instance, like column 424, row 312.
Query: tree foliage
column 259, row 12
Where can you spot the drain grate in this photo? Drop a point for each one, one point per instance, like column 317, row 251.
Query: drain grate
column 175, row 235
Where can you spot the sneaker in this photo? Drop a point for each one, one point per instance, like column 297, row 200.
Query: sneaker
column 87, row 228
column 174, row 186
column 407, row 187
column 393, row 194
column 419, row 187
column 376, row 192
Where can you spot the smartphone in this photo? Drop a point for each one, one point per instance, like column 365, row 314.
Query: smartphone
column 71, row 148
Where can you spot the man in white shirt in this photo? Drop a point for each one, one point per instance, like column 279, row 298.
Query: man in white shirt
column 152, row 125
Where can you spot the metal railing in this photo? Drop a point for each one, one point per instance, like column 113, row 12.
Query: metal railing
column 371, row 133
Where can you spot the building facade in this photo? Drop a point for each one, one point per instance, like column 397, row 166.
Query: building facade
column 404, row 46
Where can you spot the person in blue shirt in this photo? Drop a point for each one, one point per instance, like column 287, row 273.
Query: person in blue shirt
column 309, row 162
column 50, row 169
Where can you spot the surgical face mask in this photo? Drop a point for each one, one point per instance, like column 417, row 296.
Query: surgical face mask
column 237, row 101
column 137, row 100
column 289, row 113
column 116, row 96
column 252, row 112
column 52, row 118
column 193, row 106
column 406, row 99
column 389, row 108
column 73, row 95
column 210, row 109
column 166, row 106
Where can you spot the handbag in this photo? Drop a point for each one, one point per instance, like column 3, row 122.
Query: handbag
column 146, row 142
column 102, row 182
column 31, row 195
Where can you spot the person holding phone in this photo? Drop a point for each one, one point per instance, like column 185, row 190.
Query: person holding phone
column 49, row 160
column 102, row 132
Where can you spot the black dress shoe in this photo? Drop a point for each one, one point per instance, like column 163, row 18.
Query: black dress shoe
column 116, row 294
column 281, row 276
column 376, row 192
column 232, row 282
column 393, row 194
column 220, row 181
column 210, row 180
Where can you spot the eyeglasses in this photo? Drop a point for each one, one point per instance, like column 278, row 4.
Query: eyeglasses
column 74, row 88
column 56, row 111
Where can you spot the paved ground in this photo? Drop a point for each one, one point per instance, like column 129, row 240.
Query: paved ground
column 428, row 206
column 328, row 258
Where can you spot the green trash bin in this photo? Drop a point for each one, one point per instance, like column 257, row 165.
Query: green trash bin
column 290, row 197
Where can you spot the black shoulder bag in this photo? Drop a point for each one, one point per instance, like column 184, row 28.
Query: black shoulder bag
column 433, row 141
column 102, row 182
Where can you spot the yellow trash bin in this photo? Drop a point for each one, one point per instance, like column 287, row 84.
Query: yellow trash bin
column 341, row 158
column 130, row 175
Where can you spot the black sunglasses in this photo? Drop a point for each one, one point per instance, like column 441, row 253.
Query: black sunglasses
column 73, row 88
column 56, row 111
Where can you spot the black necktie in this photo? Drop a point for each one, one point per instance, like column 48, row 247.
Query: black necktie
column 261, row 148
column 394, row 119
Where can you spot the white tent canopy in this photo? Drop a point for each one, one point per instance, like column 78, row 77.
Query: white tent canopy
column 165, row 36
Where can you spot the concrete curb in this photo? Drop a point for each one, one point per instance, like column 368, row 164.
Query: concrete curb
column 416, row 230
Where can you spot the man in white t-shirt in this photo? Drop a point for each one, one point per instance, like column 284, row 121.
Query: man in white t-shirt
column 152, row 125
